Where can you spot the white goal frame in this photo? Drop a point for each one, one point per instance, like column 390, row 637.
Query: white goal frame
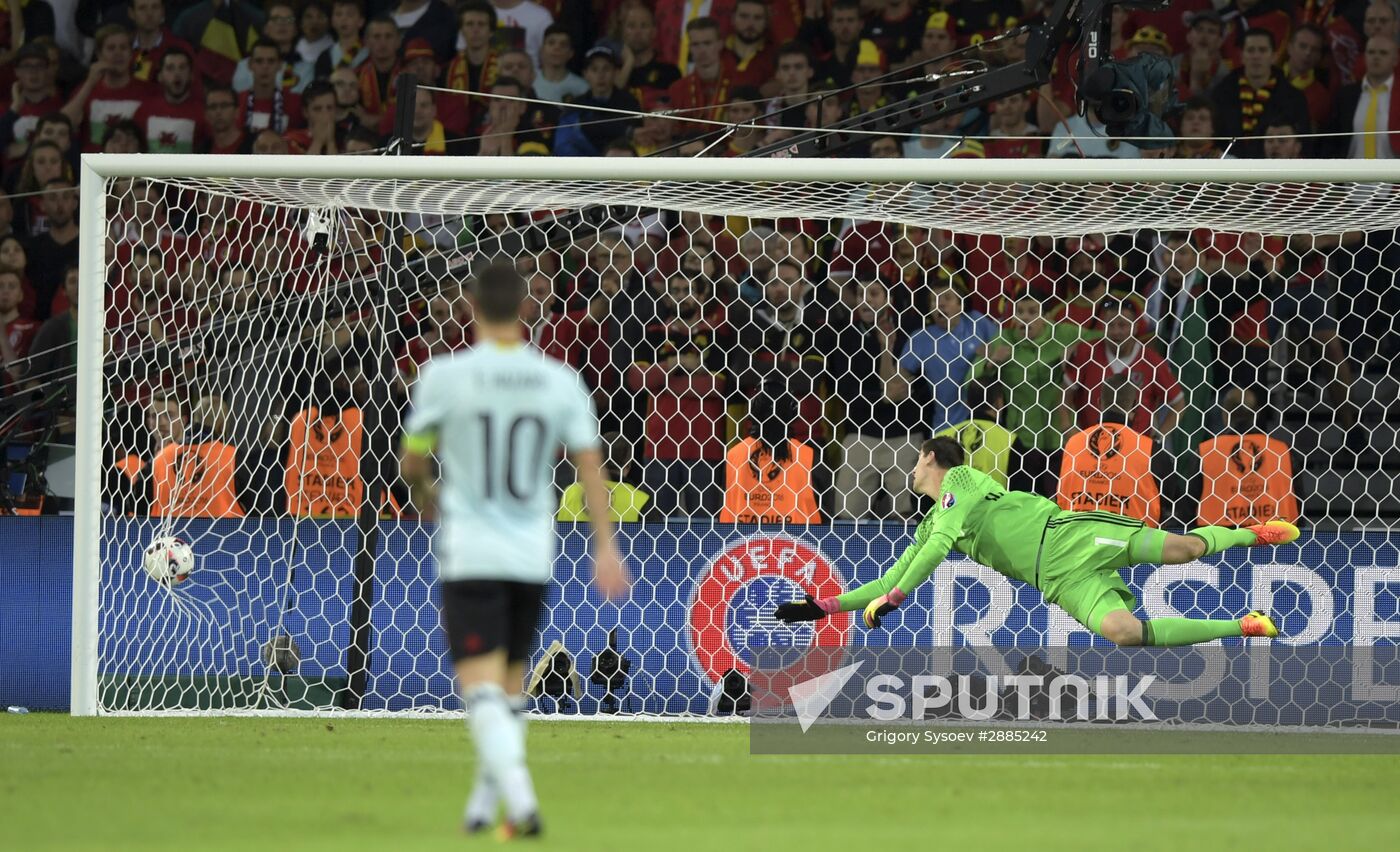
column 97, row 168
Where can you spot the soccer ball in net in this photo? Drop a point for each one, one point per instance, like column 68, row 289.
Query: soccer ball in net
column 169, row 560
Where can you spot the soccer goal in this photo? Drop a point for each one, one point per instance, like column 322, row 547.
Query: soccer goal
column 1211, row 338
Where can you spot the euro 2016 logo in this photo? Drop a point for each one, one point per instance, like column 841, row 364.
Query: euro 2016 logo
column 1104, row 443
column 731, row 614
column 1247, row 459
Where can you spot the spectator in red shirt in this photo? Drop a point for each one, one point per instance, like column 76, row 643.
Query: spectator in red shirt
column 1202, row 65
column 1011, row 273
column 747, row 50
column 447, row 327
column 1119, row 372
column 171, row 120
column 1010, row 129
column 452, row 110
column 861, row 250
column 419, row 59
column 1273, row 16
column 703, row 92
column 32, row 96
column 589, row 341
column 319, row 136
column 268, row 105
column 16, row 331
column 110, row 93
column 475, row 68
column 222, row 133
column 681, row 373
column 382, row 40
column 151, row 38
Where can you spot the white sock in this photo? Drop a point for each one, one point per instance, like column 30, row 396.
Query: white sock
column 500, row 746
column 518, row 703
column 523, row 780
column 482, row 804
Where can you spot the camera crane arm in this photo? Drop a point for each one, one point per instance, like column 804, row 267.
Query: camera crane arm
column 1092, row 18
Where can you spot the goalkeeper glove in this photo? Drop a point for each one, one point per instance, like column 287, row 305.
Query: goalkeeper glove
column 882, row 606
column 810, row 609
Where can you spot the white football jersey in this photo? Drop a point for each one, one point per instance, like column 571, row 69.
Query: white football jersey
column 500, row 415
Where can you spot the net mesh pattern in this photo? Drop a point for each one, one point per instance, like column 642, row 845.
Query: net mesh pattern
column 262, row 338
column 1021, row 209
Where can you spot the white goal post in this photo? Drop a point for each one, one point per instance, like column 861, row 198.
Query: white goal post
column 1034, row 198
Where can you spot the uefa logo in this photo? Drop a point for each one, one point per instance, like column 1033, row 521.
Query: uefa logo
column 731, row 613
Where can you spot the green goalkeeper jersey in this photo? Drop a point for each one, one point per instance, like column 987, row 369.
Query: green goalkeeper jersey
column 977, row 517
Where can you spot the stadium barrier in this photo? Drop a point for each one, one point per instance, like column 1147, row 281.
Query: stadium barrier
column 700, row 606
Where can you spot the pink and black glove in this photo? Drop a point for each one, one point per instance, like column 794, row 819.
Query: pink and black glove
column 810, row 609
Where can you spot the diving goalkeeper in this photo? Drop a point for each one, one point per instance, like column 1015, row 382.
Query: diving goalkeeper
column 1073, row 558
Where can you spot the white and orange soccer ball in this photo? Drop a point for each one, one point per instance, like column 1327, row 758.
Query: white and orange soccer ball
column 169, row 560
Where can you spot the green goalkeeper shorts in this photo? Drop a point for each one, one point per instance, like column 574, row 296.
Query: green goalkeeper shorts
column 1079, row 560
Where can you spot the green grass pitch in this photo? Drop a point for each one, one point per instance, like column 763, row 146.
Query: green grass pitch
column 310, row 784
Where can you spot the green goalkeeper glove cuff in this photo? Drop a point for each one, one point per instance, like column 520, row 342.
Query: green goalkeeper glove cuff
column 883, row 606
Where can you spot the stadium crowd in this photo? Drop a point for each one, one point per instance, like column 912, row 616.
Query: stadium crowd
column 719, row 349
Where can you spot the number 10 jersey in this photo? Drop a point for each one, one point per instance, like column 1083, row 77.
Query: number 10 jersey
column 497, row 416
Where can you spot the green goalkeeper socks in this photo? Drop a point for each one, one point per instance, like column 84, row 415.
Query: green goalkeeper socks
column 1170, row 632
column 1222, row 538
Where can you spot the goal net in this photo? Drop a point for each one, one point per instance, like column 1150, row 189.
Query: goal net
column 1204, row 343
